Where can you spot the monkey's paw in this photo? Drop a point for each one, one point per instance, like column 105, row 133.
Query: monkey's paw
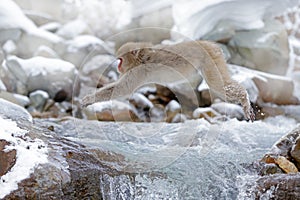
column 87, row 100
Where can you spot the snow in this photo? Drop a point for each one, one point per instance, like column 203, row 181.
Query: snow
column 139, row 8
column 173, row 106
column 11, row 16
column 109, row 105
column 195, row 19
column 84, row 41
column 105, row 17
column 41, row 93
column 141, row 101
column 40, row 65
column 72, row 29
column 29, row 154
column 2, row 86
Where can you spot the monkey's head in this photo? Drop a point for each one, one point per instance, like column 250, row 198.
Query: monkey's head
column 130, row 55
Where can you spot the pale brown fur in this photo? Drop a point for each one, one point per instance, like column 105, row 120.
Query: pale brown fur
column 189, row 59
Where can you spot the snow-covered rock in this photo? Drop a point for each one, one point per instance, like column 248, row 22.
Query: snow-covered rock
column 98, row 68
column 229, row 110
column 38, row 99
column 105, row 18
column 82, row 48
column 265, row 87
column 208, row 113
column 29, row 153
column 2, row 86
column 265, row 49
column 45, row 51
column 196, row 19
column 39, row 18
column 51, row 75
column 14, row 25
column 59, row 10
column 111, row 111
column 18, row 99
column 51, row 27
column 140, row 101
column 30, row 42
column 172, row 109
column 73, row 28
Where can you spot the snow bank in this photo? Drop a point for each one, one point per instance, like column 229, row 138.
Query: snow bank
column 195, row 19
column 30, row 153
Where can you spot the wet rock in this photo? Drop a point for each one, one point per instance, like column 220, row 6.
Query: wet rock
column 277, row 186
column 266, row 49
column 111, row 111
column 7, row 159
column 39, row 73
column 295, row 152
column 286, row 165
column 38, row 99
column 284, row 145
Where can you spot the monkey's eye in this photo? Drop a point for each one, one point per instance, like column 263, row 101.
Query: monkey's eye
column 120, row 64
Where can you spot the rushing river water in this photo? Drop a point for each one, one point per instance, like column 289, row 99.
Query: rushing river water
column 191, row 160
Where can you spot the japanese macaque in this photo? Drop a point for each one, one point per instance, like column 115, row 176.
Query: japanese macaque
column 146, row 63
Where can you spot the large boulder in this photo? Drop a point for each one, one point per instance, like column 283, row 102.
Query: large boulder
column 265, row 87
column 54, row 76
column 265, row 49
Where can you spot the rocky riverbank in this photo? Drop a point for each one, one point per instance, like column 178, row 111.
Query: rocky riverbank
column 154, row 143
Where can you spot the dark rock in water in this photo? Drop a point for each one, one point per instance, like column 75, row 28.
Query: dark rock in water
column 7, row 159
column 279, row 186
column 295, row 152
column 278, row 175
